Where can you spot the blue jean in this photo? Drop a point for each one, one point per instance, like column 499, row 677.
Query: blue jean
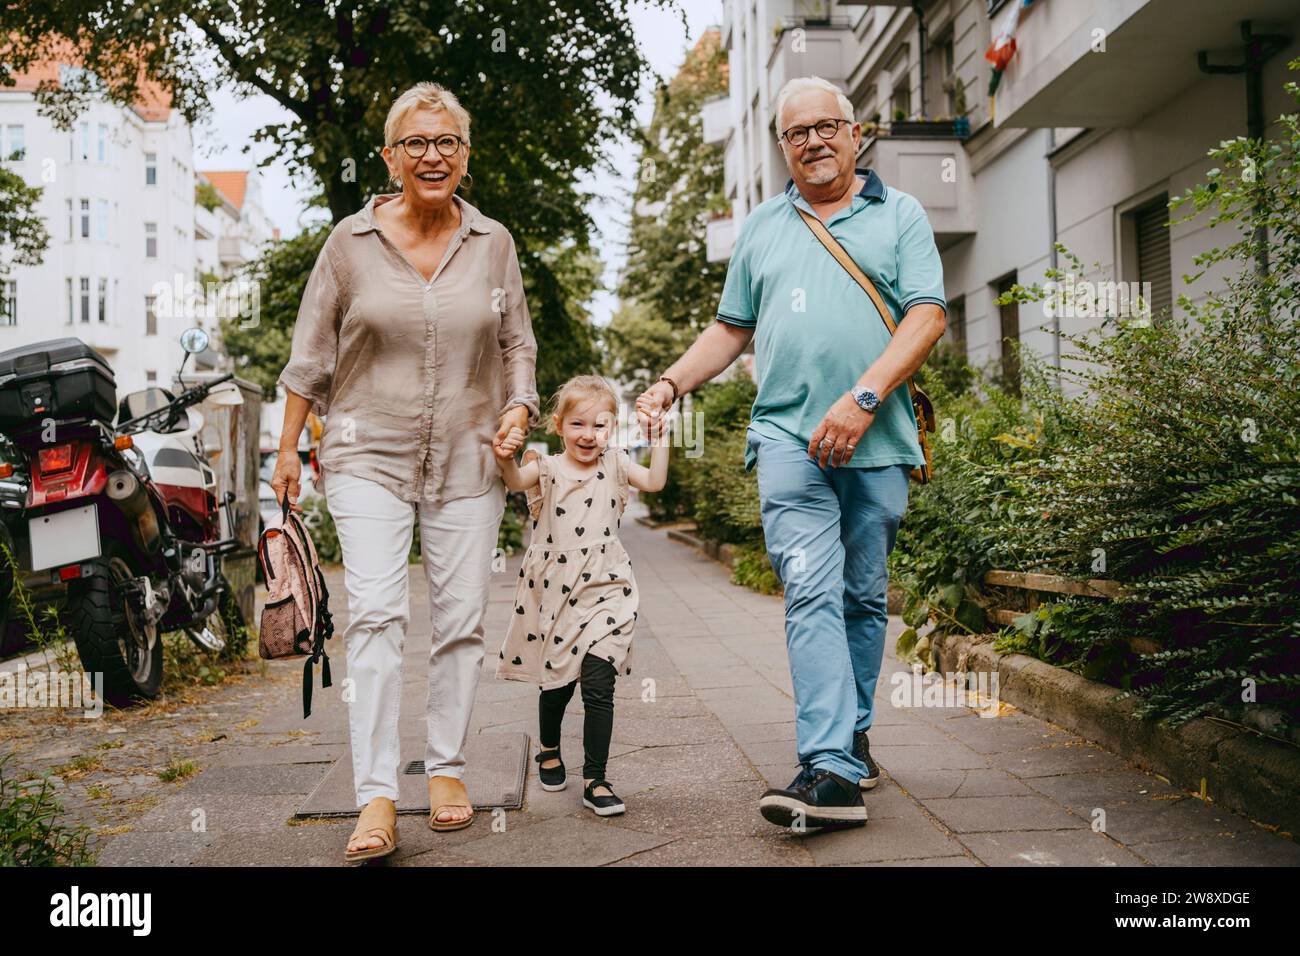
column 828, row 534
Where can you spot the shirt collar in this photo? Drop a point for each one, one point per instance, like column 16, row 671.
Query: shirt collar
column 471, row 219
column 872, row 187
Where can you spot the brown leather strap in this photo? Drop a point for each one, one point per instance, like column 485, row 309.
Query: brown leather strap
column 861, row 278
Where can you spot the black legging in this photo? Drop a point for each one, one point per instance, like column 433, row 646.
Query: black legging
column 597, row 679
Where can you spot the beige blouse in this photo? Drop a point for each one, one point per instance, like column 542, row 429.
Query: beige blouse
column 413, row 376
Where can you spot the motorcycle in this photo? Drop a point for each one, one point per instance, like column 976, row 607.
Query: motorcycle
column 121, row 523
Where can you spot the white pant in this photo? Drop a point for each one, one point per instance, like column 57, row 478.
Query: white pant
column 457, row 542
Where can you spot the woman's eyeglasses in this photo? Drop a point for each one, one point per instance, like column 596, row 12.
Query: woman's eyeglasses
column 417, row 146
column 826, row 129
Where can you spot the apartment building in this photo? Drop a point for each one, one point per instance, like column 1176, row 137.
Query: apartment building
column 118, row 199
column 1106, row 110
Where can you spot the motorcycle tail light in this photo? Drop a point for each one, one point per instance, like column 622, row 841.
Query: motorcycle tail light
column 58, row 458
column 69, row 572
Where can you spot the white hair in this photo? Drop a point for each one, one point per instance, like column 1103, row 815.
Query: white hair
column 801, row 84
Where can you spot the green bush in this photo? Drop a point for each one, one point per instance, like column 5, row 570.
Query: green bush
column 31, row 833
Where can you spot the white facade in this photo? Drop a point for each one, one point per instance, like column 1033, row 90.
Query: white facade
column 1102, row 116
column 118, row 202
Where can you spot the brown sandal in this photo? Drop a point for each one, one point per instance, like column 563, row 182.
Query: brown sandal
column 444, row 793
column 378, row 819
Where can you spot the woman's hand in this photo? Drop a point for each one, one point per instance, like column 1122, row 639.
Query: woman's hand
column 288, row 471
column 653, row 404
column 516, row 417
column 506, row 448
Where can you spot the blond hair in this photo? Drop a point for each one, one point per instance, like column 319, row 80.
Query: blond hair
column 577, row 390
column 431, row 95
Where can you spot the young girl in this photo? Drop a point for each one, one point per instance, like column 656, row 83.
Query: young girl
column 576, row 599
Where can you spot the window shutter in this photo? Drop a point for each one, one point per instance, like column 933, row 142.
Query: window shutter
column 1153, row 255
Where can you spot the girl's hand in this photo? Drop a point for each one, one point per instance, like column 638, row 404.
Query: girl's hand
column 510, row 444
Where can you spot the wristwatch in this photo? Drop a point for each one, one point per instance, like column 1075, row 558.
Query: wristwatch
column 867, row 400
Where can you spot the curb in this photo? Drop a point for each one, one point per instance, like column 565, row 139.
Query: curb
column 1234, row 768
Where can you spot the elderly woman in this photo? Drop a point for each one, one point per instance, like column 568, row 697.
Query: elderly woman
column 414, row 336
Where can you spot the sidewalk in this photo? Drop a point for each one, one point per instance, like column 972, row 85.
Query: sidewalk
column 702, row 727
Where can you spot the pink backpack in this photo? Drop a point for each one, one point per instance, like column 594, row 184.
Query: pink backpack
column 296, row 619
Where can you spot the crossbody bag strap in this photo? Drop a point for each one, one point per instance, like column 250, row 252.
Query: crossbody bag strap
column 844, row 259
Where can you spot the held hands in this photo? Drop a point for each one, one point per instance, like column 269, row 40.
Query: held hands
column 839, row 432
column 505, row 448
column 652, row 410
column 511, row 433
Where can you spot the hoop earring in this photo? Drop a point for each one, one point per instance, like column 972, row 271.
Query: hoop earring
column 467, row 181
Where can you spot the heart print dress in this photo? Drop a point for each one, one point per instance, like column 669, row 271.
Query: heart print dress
column 575, row 593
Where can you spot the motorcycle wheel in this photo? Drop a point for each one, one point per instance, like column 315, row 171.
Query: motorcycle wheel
column 110, row 640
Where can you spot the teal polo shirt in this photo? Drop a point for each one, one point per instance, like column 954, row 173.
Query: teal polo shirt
column 815, row 329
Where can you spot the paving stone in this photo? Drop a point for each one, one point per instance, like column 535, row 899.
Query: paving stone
column 149, row 848
column 985, row 814
column 1048, row 848
column 927, row 784
column 563, row 841
column 288, row 778
column 895, row 838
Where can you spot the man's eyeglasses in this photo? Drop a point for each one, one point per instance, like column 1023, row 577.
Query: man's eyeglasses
column 826, row 129
column 417, row 146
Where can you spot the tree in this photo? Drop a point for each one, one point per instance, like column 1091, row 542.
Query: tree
column 23, row 236
column 679, row 191
column 547, row 85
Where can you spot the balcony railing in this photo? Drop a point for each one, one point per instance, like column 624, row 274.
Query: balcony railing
column 934, row 169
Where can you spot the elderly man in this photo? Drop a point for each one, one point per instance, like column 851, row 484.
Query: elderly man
column 832, row 433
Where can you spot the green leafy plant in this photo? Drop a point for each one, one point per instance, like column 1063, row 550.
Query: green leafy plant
column 31, row 833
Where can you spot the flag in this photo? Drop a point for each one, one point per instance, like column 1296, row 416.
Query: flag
column 1003, row 47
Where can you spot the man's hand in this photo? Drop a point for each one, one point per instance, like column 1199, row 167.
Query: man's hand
column 839, row 432
column 652, row 406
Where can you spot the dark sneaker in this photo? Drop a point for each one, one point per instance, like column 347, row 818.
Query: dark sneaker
column 604, row 805
column 824, row 799
column 861, row 750
column 804, row 775
column 553, row 778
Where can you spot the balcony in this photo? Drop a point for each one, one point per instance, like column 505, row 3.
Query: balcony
column 104, row 337
column 716, row 119
column 936, row 171
column 805, row 46
column 1057, row 78
column 720, row 239
column 235, row 251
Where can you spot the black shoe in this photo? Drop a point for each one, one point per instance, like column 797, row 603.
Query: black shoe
column 826, row 799
column 604, row 805
column 861, row 750
column 553, row 778
column 801, row 778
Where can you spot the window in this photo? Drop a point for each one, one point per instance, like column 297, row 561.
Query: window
column 85, row 219
column 1009, row 316
column 941, row 98
column 68, row 285
column 1152, row 249
column 101, row 220
column 101, row 144
column 71, row 228
column 151, row 240
column 85, row 299
column 85, row 140
column 103, row 300
column 14, row 145
column 150, row 316
column 900, row 104
column 956, row 334
column 151, row 169
column 9, row 302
